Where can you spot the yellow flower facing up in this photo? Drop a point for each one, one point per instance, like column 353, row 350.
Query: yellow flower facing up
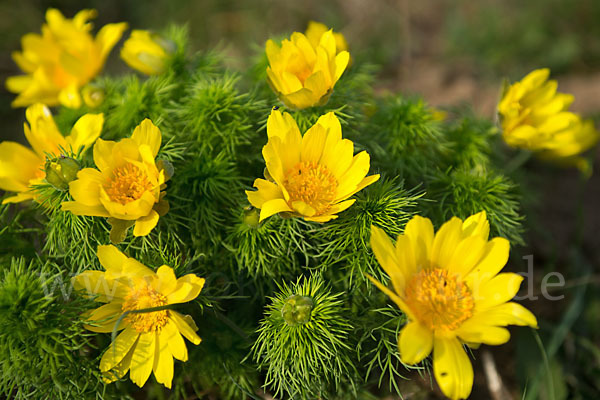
column 535, row 116
column 303, row 75
column 127, row 185
column 449, row 286
column 150, row 339
column 62, row 59
column 22, row 168
column 316, row 30
column 147, row 52
column 309, row 176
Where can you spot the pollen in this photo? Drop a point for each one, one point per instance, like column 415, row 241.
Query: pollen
column 439, row 300
column 142, row 298
column 128, row 184
column 313, row 184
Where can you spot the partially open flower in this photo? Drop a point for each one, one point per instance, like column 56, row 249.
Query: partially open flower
column 60, row 61
column 147, row 52
column 127, row 187
column 302, row 75
column 309, row 176
column 21, row 169
column 535, row 116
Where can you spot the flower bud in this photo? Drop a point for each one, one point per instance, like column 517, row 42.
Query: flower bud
column 93, row 96
column 60, row 171
column 296, row 310
column 147, row 52
column 251, row 217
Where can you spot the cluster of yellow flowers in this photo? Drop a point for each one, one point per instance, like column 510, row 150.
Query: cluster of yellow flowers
column 447, row 283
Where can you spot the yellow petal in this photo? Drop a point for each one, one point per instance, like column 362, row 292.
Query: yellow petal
column 313, row 143
column 147, row 133
column 19, row 83
column 110, row 257
column 272, row 207
column 95, row 284
column 473, row 333
column 86, row 188
column 163, row 360
column 301, row 99
column 415, row 343
column 103, row 152
column 167, row 282
column 303, row 208
column 185, row 325
column 341, row 62
column 362, row 184
column 452, row 368
column 42, row 132
column 468, row 253
column 81, row 209
column 282, row 125
column 108, row 36
column 104, row 317
column 445, row 243
column 338, row 157
column 18, row 198
column 18, row 166
column 85, row 131
column 143, row 358
column 143, row 226
column 357, row 171
column 494, row 259
column 266, row 191
column 70, row 97
column 498, row 290
column 119, row 349
column 187, row 289
column 477, row 225
column 505, row 314
column 385, row 253
column 175, row 341
column 421, row 233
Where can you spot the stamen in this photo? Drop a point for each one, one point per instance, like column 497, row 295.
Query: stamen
column 128, row 184
column 439, row 300
column 313, row 184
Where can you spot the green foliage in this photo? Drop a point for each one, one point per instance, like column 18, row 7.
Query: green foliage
column 305, row 360
column 344, row 242
column 43, row 344
column 464, row 192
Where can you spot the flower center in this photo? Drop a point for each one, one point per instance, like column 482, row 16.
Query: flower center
column 142, row 298
column 439, row 300
column 313, row 184
column 128, row 184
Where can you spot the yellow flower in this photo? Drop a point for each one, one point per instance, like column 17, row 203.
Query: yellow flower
column 22, row 168
column 150, row 340
column 316, row 30
column 61, row 60
column 146, row 52
column 535, row 116
column 309, row 176
column 452, row 293
column 127, row 187
column 302, row 75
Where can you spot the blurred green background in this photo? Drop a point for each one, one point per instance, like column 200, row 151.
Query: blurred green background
column 450, row 53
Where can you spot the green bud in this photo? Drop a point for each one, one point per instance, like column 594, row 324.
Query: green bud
column 296, row 310
column 251, row 217
column 60, row 171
